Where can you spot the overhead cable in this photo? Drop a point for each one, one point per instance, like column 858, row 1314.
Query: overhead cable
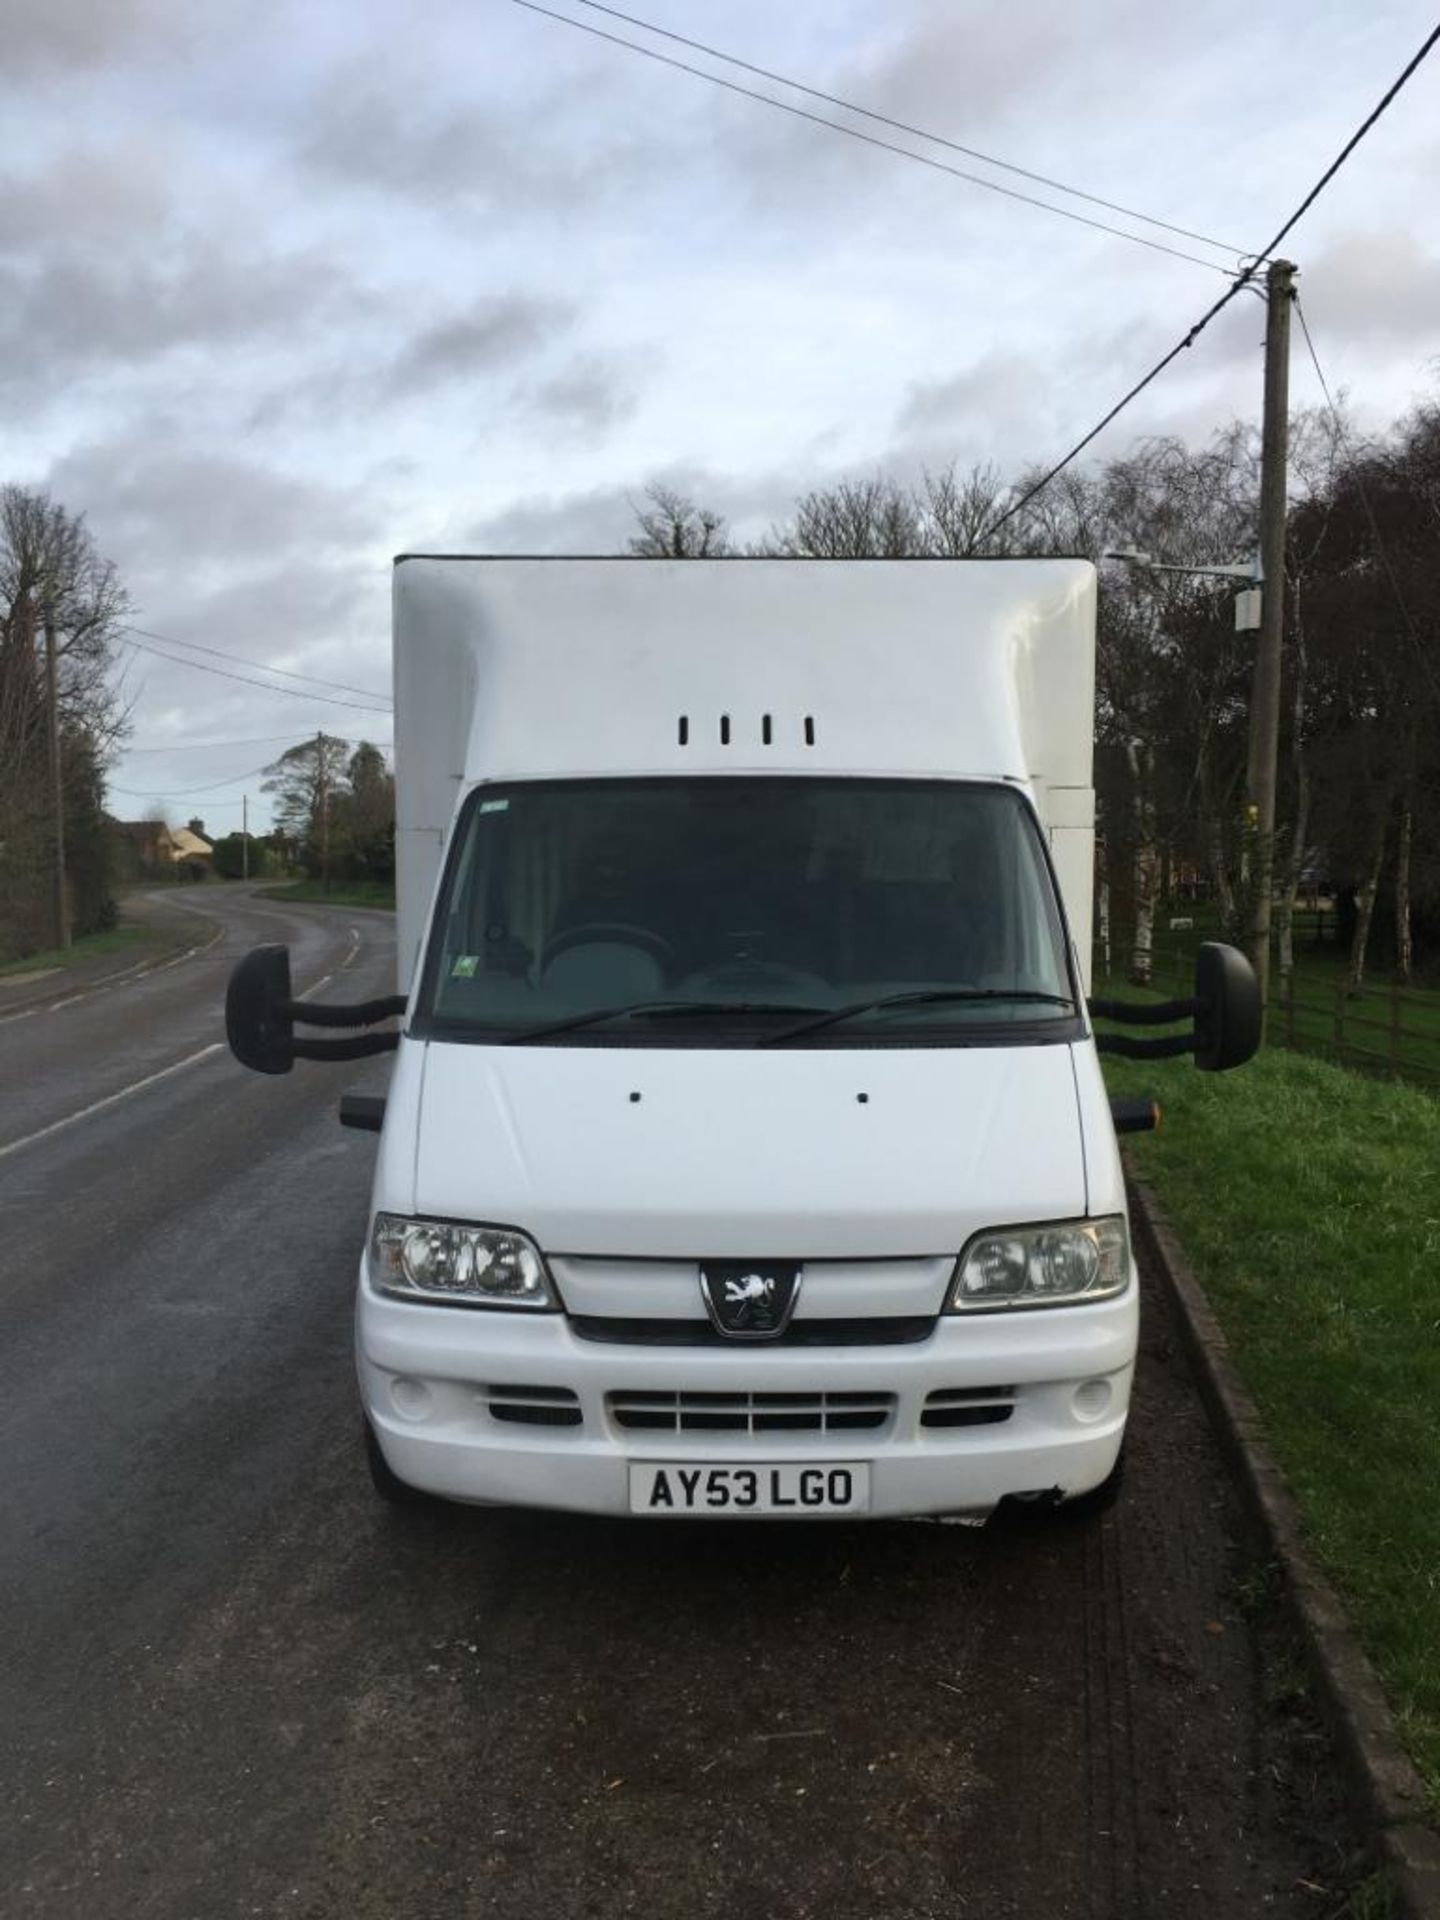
column 214, row 786
column 219, row 653
column 1242, row 281
column 184, row 793
column 918, row 133
column 870, row 139
column 194, row 746
column 267, row 686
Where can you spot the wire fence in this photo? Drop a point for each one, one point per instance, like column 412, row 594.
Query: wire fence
column 1390, row 1030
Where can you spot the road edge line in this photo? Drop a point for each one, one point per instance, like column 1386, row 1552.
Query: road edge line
column 110, row 1099
column 1381, row 1773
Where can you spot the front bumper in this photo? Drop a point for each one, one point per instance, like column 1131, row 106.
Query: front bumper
column 447, row 1391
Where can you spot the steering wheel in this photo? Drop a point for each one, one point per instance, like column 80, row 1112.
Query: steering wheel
column 593, row 932
column 756, row 975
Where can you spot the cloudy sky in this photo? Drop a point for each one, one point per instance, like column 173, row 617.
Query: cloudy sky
column 286, row 289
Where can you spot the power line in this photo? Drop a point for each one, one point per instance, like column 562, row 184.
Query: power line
column 870, row 139
column 194, row 746
column 902, row 126
column 1242, row 281
column 266, row 686
column 184, row 793
column 1357, row 475
column 213, row 786
column 219, row 653
column 161, row 799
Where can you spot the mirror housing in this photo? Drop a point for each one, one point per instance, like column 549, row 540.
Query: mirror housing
column 260, row 1017
column 258, row 1022
column 1225, row 1009
column 1228, row 1014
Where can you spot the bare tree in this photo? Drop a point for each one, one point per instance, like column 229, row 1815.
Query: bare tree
column 50, row 564
column 944, row 516
column 673, row 527
column 52, row 576
column 958, row 511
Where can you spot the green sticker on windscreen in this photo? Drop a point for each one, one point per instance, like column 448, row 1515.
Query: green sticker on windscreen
column 465, row 966
column 494, row 806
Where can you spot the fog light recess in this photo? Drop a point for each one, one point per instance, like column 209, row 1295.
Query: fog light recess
column 410, row 1398
column 1091, row 1400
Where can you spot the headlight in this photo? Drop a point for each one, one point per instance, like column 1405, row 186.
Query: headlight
column 1050, row 1266
column 466, row 1266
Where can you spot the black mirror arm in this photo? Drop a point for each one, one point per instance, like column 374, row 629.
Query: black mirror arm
column 366, row 1014
column 1144, row 1013
column 1165, row 1046
column 355, row 1046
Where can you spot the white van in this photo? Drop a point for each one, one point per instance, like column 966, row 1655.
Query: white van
column 746, row 1150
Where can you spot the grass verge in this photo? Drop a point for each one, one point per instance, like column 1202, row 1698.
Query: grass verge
column 87, row 947
column 1308, row 1200
column 343, row 893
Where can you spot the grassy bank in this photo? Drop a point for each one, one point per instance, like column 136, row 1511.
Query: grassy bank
column 118, row 940
column 1308, row 1199
column 342, row 893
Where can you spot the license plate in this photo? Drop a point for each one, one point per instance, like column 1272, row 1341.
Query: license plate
column 799, row 1488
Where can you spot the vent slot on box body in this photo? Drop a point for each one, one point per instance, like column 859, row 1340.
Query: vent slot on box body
column 533, row 1406
column 968, row 1406
column 767, row 729
column 677, row 1412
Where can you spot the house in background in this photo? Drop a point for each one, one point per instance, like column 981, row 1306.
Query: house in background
column 146, row 849
column 189, row 847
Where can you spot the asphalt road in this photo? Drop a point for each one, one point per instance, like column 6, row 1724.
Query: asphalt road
column 233, row 1683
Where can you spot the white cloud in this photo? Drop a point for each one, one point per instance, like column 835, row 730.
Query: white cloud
column 492, row 333
column 1378, row 289
column 47, row 35
column 69, row 314
column 283, row 290
column 586, row 397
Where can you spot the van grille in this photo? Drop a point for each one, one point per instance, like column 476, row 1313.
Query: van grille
column 533, row 1406
column 878, row 1331
column 968, row 1406
column 751, row 1412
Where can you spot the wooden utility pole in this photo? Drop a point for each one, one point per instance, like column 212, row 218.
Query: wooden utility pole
column 1265, row 685
column 60, row 896
column 244, row 836
column 323, row 775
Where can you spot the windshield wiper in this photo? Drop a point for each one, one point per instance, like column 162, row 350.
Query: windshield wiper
column 930, row 996
column 655, row 1009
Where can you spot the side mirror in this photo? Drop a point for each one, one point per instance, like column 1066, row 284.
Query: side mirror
column 258, row 1021
column 1228, row 1010
column 260, row 1017
column 1225, row 1009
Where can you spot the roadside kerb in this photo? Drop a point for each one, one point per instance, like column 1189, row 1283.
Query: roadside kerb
column 1382, row 1776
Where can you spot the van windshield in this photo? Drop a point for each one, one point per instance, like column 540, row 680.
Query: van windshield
column 724, row 910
